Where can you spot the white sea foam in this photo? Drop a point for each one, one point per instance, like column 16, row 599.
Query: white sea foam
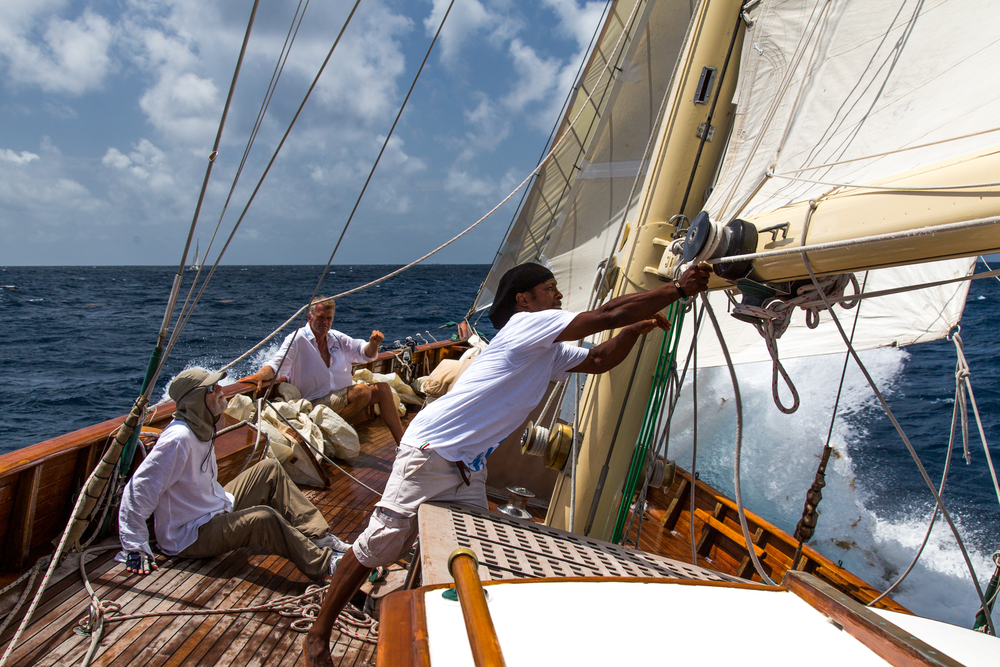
column 779, row 458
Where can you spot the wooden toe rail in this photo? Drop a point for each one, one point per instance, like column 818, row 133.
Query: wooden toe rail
column 888, row 641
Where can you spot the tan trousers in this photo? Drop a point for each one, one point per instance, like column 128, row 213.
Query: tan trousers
column 418, row 476
column 271, row 512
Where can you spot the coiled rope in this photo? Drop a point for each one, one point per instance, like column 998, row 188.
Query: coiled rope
column 302, row 608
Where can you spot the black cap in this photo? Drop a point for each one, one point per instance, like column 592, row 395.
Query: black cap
column 521, row 278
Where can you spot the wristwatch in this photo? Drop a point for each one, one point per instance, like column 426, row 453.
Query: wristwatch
column 680, row 290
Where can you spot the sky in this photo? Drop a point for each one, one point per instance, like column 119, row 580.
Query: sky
column 109, row 111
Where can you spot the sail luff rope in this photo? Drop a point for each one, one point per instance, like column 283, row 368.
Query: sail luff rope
column 899, row 430
column 441, row 247
column 738, row 453
column 862, row 240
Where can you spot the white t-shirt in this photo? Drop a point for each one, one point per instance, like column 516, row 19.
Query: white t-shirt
column 177, row 484
column 306, row 369
column 499, row 389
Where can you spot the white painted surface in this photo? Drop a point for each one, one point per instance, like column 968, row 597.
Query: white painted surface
column 621, row 623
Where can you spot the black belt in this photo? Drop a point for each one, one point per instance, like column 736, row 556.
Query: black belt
column 463, row 470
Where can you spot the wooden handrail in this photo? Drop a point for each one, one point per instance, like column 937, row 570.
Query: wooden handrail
column 893, row 644
column 464, row 568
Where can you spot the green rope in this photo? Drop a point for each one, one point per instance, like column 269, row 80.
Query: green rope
column 664, row 365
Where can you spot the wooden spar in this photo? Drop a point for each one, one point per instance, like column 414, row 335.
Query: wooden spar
column 875, row 209
column 478, row 623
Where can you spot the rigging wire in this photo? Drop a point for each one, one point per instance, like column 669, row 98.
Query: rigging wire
column 468, row 229
column 149, row 382
column 364, row 188
column 899, row 429
column 829, row 433
column 957, row 409
column 180, row 326
column 279, row 68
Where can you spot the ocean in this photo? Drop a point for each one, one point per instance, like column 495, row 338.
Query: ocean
column 75, row 341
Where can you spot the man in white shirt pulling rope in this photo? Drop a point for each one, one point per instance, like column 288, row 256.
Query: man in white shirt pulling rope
column 442, row 455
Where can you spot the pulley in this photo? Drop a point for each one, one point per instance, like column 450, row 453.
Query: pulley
column 554, row 446
column 706, row 240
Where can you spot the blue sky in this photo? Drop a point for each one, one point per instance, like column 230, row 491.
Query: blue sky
column 108, row 111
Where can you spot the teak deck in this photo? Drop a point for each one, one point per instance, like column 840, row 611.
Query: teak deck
column 245, row 577
column 36, row 490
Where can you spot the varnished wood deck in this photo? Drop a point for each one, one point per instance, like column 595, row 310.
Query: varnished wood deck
column 245, row 577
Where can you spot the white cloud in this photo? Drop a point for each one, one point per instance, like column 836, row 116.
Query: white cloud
column 469, row 186
column 576, row 22
column 538, row 76
column 7, row 155
column 397, row 159
column 57, row 55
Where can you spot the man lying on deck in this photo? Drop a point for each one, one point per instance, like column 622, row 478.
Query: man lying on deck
column 317, row 360
column 443, row 453
column 195, row 517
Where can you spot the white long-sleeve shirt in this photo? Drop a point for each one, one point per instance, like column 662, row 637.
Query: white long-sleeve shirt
column 177, row 484
column 306, row 369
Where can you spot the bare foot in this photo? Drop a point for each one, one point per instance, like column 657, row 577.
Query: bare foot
column 316, row 651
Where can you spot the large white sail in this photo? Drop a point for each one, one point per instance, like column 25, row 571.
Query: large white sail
column 576, row 206
column 850, row 93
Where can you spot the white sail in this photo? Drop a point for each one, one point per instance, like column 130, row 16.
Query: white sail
column 576, row 206
column 850, row 93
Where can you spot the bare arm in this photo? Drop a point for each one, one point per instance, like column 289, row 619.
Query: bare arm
column 631, row 308
column 265, row 374
column 371, row 349
column 612, row 352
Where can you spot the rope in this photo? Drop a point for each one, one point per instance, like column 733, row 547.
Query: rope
column 776, row 316
column 182, row 323
column 738, row 492
column 959, row 408
column 441, row 247
column 906, row 441
column 962, row 374
column 303, row 608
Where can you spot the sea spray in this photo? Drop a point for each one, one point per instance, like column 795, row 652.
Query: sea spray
column 857, row 527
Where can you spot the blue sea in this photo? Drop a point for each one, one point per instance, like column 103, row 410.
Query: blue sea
column 74, row 342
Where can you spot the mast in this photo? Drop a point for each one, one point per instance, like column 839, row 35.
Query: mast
column 687, row 149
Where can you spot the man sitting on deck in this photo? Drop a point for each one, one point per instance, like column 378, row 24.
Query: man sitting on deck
column 318, row 359
column 443, row 453
column 195, row 517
